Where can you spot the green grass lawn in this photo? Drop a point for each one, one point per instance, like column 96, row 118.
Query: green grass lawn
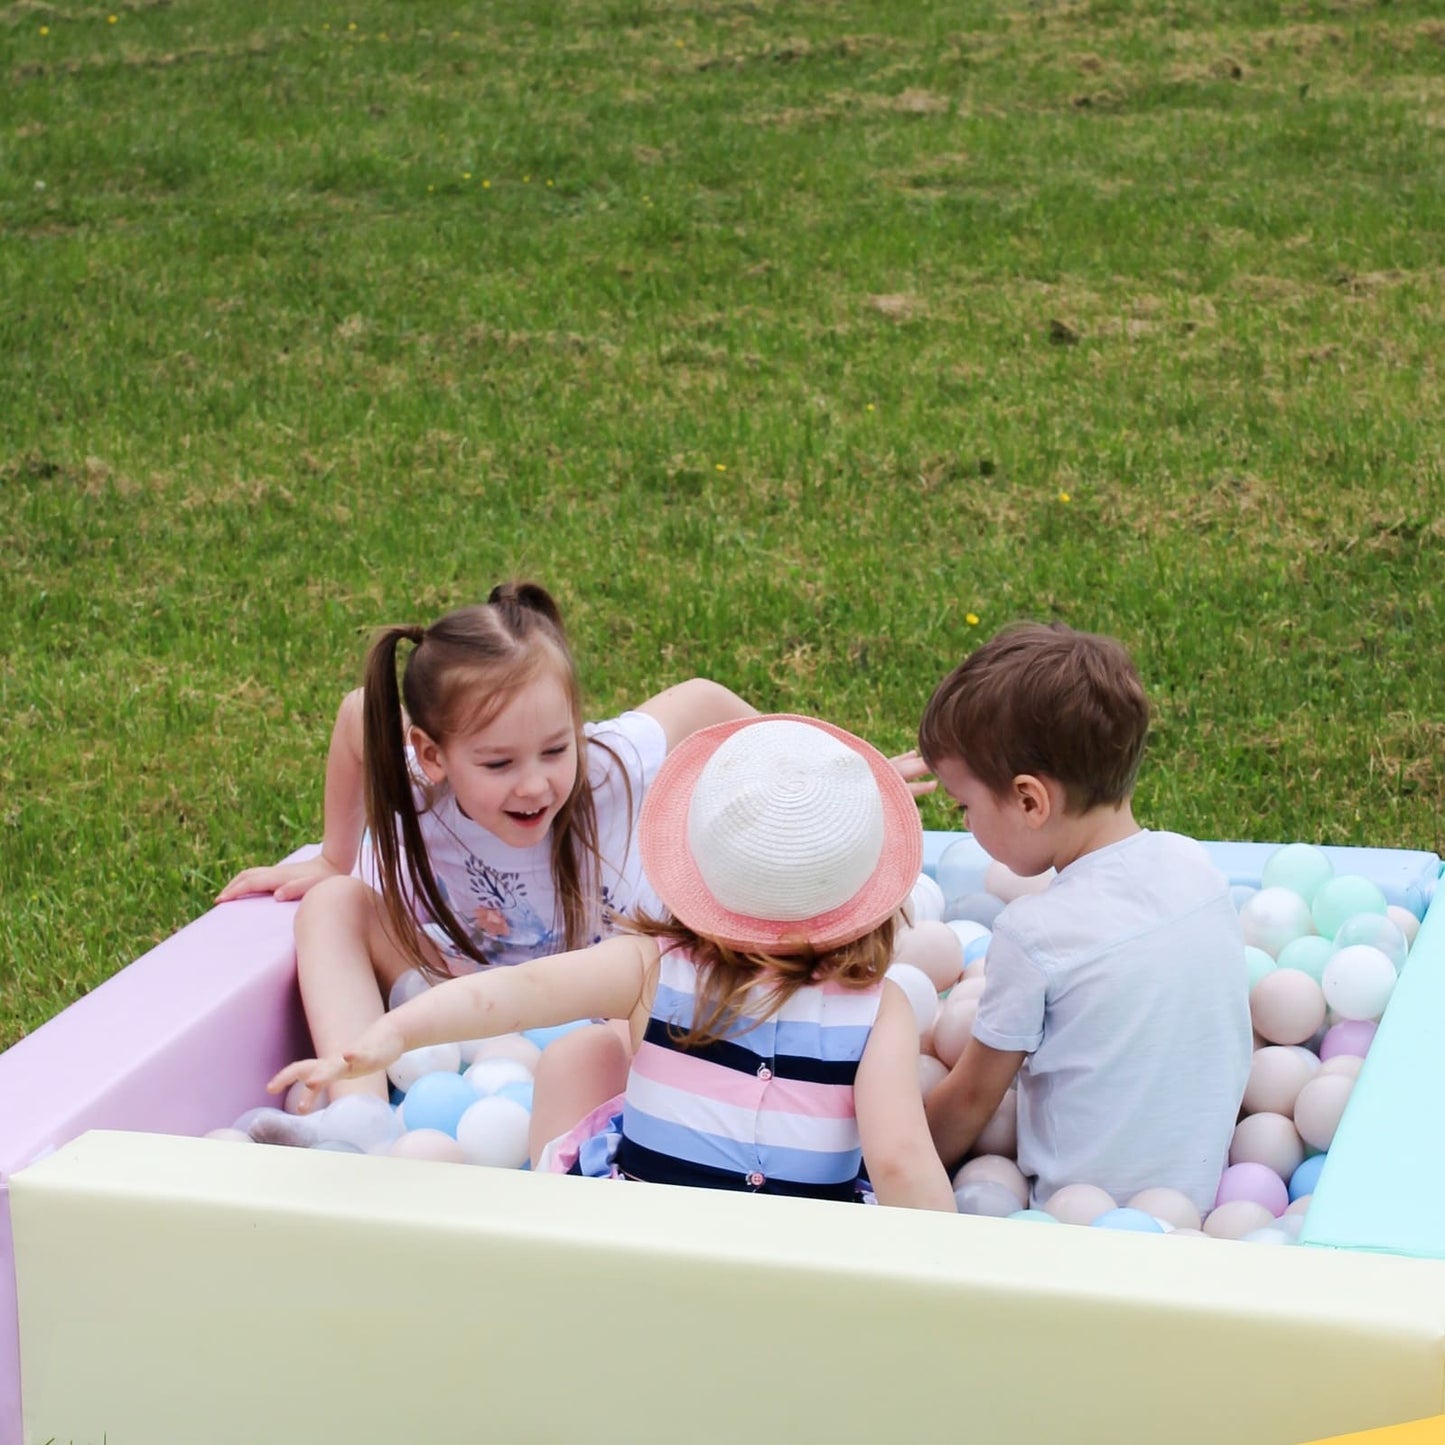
column 796, row 344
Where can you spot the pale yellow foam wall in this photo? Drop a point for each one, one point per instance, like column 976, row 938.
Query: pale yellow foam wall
column 175, row 1291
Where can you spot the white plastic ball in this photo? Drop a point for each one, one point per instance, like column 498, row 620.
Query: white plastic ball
column 407, row 986
column 359, row 1119
column 998, row 1170
column 919, row 990
column 432, row 1059
column 493, row 1132
column 1273, row 918
column 986, row 1197
column 503, row 1046
column 1405, row 921
column 486, row 1076
column 1358, row 981
column 925, row 902
column 1378, row 931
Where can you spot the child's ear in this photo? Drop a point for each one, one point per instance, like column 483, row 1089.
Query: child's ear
column 428, row 755
column 1034, row 799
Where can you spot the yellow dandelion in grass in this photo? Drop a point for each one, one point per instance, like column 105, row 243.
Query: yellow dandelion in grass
column 486, row 185
column 549, row 183
column 1065, row 497
column 351, row 25
column 526, row 180
column 869, row 407
column 45, row 30
column 382, row 35
column 431, row 188
column 111, row 19
column 971, row 618
column 720, row 466
column 466, row 175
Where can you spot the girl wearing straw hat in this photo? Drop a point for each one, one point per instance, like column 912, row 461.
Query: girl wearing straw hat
column 771, row 1054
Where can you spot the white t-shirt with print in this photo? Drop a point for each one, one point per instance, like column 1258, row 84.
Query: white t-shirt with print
column 505, row 895
column 1125, row 983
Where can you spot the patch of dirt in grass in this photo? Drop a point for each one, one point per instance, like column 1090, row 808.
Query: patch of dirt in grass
column 896, row 306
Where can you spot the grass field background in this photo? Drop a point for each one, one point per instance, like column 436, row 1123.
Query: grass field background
column 800, row 345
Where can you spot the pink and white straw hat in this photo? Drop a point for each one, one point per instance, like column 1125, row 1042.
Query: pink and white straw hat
column 777, row 833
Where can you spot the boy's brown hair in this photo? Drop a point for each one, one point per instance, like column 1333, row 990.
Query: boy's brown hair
column 1043, row 699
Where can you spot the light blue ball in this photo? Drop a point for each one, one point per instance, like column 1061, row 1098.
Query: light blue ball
column 1304, row 1179
column 1300, row 867
column 1240, row 894
column 974, row 908
column 437, row 1101
column 1034, row 1216
column 1308, row 954
column 960, row 869
column 1342, row 898
column 1132, row 1221
column 543, row 1037
column 1257, row 963
column 518, row 1093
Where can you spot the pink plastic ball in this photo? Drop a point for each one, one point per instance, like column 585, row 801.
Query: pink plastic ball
column 1287, row 1006
column 1349, row 1036
column 1255, row 1183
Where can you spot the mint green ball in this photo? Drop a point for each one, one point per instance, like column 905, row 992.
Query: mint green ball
column 1308, row 954
column 1343, row 898
column 1300, row 867
column 1258, row 962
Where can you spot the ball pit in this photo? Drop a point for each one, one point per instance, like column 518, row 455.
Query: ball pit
column 233, row 1019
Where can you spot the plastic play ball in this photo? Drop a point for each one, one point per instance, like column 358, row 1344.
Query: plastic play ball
column 230, row 1136
column 973, row 938
column 1257, row 963
column 986, row 1197
column 1268, row 1139
column 336, row 1146
column 275, row 1126
column 299, row 1094
column 518, row 1093
column 1034, row 1216
column 1358, row 982
column 433, row 1059
column 931, row 1073
column 1240, row 894
column 488, row 1076
column 960, row 869
column 543, row 1037
column 954, row 1027
column 1131, row 1221
column 504, row 1046
column 1270, row 1234
column 1308, row 954
column 1273, row 918
column 1169, row 1205
column 493, row 1132
column 1276, row 1075
column 359, row 1119
column 1344, row 1066
column 407, row 986
column 1350, row 1036
column 1236, row 1218
column 1302, row 1182
column 1255, row 1183
column 996, row 1170
column 935, row 948
column 925, row 902
column 1300, row 867
column 1286, row 1006
column 1078, row 1203
column 1378, row 931
column 428, row 1144
column 437, row 1101
column 919, row 990
column 1405, row 921
column 1318, row 1109
column 1001, row 1134
column 1004, row 883
column 1343, row 897
column 981, row 908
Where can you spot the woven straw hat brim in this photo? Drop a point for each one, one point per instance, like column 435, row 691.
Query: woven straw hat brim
column 673, row 872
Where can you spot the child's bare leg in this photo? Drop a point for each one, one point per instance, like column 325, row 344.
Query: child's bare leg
column 575, row 1074
column 346, row 963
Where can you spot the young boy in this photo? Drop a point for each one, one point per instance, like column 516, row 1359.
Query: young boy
column 1117, row 996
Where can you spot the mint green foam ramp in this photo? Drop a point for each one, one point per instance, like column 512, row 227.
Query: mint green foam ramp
column 1383, row 1185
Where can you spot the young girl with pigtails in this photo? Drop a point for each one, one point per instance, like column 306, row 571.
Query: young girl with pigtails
column 500, row 825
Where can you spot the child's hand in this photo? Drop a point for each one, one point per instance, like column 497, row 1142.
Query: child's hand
column 380, row 1046
column 285, row 881
column 914, row 771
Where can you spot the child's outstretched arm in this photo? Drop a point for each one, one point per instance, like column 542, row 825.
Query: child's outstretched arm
column 697, row 703
column 902, row 1164
column 968, row 1098
column 344, row 818
column 604, row 981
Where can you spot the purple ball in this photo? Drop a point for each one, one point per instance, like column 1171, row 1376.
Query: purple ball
column 1349, row 1036
column 1255, row 1182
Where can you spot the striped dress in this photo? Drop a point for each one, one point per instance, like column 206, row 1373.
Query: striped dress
column 767, row 1109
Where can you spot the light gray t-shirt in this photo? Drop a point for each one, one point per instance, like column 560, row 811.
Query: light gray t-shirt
column 1125, row 983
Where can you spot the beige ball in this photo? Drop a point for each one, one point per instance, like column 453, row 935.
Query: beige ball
column 1078, row 1203
column 954, row 1029
column 1268, row 1139
column 919, row 990
column 1001, row 1134
column 1276, row 1075
column 1004, row 883
column 1298, row 1206
column 1318, row 1109
column 1235, row 1219
column 935, row 949
column 1347, row 1066
column 969, row 986
column 1169, row 1205
column 931, row 1073
column 1287, row 1006
column 997, row 1170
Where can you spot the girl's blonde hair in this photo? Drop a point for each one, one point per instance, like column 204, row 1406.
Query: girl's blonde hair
column 727, row 975
column 461, row 672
